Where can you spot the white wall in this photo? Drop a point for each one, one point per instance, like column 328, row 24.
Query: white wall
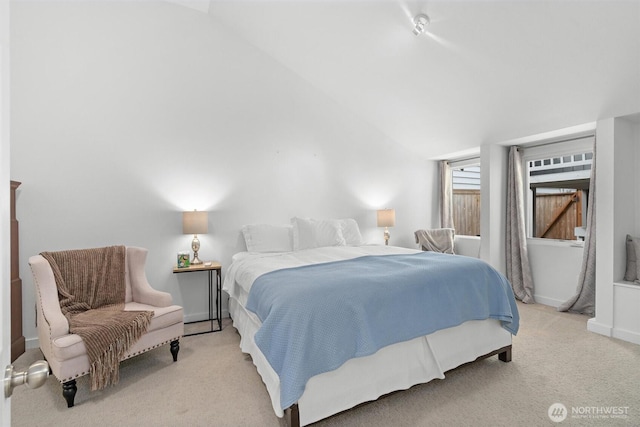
column 636, row 137
column 626, row 297
column 5, row 248
column 617, row 309
column 127, row 113
column 624, row 221
column 605, row 246
column 494, row 160
column 555, row 267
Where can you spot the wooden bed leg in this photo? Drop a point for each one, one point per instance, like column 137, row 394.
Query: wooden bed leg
column 505, row 356
column 292, row 416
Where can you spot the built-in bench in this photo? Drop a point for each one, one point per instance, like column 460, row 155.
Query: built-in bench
column 626, row 316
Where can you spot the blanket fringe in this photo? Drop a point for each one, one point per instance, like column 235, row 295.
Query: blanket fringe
column 105, row 371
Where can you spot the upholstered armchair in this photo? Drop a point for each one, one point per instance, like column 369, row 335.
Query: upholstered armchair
column 66, row 352
column 436, row 239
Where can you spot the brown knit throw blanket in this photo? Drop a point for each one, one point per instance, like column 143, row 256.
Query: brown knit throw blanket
column 91, row 289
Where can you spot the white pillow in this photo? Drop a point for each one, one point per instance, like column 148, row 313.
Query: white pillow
column 316, row 233
column 268, row 238
column 351, row 232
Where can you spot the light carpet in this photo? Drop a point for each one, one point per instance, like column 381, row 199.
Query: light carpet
column 555, row 360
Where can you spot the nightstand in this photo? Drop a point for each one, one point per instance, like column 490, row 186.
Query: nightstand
column 210, row 267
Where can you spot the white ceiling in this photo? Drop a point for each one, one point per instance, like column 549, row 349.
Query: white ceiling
column 486, row 72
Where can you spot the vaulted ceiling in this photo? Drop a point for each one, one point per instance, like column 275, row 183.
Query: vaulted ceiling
column 484, row 72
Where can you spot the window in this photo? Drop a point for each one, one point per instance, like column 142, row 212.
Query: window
column 558, row 183
column 466, row 197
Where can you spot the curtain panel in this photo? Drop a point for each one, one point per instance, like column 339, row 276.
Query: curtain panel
column 446, row 195
column 518, row 267
column 584, row 300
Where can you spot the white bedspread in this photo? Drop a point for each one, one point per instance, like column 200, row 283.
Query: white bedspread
column 247, row 266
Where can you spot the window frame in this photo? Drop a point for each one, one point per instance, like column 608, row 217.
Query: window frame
column 569, row 145
column 461, row 164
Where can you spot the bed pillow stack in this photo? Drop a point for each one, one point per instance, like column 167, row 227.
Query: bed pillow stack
column 302, row 233
column 351, row 232
column 268, row 238
column 309, row 233
column 632, row 273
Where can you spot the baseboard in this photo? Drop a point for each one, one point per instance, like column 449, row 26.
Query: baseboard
column 32, row 343
column 598, row 328
column 625, row 335
column 555, row 303
column 618, row 333
column 195, row 317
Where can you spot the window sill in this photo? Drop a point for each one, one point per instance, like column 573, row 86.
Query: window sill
column 536, row 241
column 626, row 284
column 467, row 237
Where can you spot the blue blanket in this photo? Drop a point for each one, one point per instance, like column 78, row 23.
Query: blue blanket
column 316, row 317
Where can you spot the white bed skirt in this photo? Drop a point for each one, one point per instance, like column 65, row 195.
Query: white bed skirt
column 395, row 367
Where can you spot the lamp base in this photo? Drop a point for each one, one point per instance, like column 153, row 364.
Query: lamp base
column 195, row 246
column 386, row 236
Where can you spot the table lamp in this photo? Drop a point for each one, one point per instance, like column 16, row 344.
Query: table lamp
column 386, row 218
column 195, row 222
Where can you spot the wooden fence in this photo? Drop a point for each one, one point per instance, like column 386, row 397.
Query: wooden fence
column 556, row 215
column 466, row 212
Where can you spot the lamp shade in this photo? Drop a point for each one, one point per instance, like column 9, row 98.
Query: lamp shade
column 195, row 222
column 386, row 218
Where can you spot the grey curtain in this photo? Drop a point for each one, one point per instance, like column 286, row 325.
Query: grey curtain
column 518, row 268
column 584, row 301
column 446, row 195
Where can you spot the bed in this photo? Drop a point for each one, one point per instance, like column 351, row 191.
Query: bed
column 339, row 351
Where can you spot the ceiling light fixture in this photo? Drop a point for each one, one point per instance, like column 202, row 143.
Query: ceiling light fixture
column 421, row 21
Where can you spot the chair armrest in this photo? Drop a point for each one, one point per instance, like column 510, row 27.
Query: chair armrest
column 141, row 290
column 47, row 297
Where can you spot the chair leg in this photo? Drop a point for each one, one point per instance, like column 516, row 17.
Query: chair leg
column 69, row 392
column 175, row 348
